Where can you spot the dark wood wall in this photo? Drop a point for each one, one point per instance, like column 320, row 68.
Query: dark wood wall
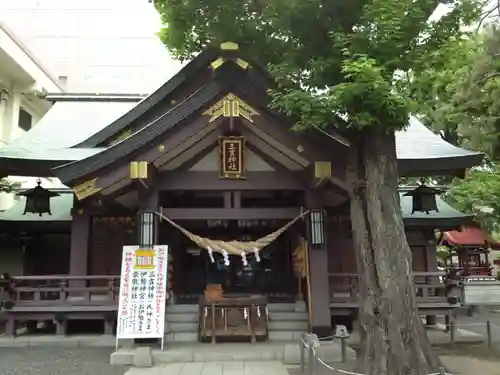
column 47, row 254
column 341, row 258
column 107, row 238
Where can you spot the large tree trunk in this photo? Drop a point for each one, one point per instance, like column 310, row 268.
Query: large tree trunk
column 393, row 340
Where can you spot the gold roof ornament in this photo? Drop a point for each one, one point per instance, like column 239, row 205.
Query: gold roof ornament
column 86, row 189
column 244, row 64
column 217, row 63
column 229, row 46
column 231, row 106
column 322, row 169
column 138, row 170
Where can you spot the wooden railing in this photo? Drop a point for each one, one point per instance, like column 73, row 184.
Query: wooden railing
column 430, row 287
column 64, row 290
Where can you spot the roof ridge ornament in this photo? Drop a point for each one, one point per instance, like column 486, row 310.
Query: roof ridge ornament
column 217, row 63
column 229, row 46
column 231, row 106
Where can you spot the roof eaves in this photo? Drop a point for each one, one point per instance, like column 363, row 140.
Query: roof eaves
column 77, row 169
column 94, row 97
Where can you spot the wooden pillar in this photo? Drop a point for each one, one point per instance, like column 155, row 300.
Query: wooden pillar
column 79, row 245
column 318, row 279
column 431, row 264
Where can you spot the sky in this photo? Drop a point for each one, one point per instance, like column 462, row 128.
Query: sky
column 99, row 45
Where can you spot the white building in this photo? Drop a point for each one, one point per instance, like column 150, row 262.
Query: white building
column 73, row 46
column 94, row 46
column 23, row 80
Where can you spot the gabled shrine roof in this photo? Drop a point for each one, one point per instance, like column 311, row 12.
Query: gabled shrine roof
column 72, row 129
column 470, row 236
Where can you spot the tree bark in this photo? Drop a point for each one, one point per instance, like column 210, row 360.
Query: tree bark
column 393, row 340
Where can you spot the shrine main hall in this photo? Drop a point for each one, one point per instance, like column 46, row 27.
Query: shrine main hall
column 250, row 209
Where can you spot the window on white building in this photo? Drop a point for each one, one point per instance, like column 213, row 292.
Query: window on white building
column 25, row 120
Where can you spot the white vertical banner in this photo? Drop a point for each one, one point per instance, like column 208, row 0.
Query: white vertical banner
column 143, row 284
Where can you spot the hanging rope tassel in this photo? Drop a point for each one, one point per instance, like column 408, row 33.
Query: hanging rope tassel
column 256, row 253
column 226, row 257
column 211, row 254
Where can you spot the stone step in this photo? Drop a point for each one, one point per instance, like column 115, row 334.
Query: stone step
column 288, row 335
column 182, row 326
column 288, row 325
column 288, row 316
column 282, row 307
column 181, row 317
column 176, row 337
column 182, row 309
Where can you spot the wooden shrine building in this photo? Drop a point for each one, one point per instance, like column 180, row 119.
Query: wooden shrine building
column 205, row 151
column 469, row 250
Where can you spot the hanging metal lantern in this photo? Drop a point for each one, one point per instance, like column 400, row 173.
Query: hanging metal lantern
column 38, row 199
column 317, row 223
column 146, row 224
column 424, row 199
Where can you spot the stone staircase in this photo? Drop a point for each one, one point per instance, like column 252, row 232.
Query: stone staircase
column 285, row 323
column 285, row 326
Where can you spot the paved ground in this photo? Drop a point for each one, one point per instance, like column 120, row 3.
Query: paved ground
column 457, row 365
column 477, row 323
column 213, row 368
column 54, row 360
column 57, row 360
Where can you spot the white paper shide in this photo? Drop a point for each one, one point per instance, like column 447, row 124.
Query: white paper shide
column 141, row 309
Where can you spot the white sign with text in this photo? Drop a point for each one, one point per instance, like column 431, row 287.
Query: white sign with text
column 143, row 283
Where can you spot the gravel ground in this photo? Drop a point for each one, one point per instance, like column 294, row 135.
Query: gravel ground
column 57, row 360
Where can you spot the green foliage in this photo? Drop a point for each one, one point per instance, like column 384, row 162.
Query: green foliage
column 336, row 57
column 6, row 186
column 435, row 85
column 442, row 254
column 479, row 194
column 457, row 90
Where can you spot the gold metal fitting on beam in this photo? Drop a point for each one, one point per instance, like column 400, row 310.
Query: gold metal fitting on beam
column 86, row 189
column 229, row 46
column 138, row 170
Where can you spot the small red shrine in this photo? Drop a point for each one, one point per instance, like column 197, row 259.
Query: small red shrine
column 469, row 250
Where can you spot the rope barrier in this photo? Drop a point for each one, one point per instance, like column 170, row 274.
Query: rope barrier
column 316, row 359
column 335, row 369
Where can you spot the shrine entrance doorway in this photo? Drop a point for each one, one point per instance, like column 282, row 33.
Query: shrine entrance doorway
column 193, row 269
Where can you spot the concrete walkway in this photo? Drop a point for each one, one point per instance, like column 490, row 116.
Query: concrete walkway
column 213, row 368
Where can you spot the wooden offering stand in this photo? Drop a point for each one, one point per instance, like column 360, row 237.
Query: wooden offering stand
column 232, row 318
